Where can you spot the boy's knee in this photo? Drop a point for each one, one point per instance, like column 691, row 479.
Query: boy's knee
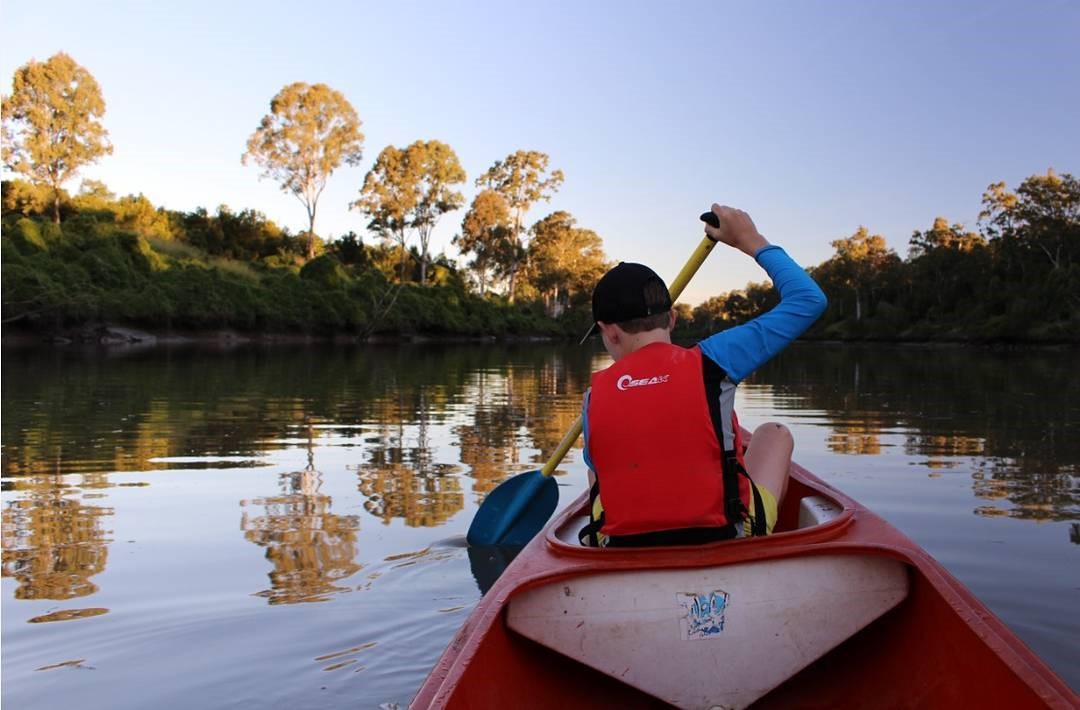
column 777, row 431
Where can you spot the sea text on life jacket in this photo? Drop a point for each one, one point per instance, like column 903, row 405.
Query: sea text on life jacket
column 626, row 381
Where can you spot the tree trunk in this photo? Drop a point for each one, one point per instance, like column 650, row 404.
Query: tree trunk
column 311, row 234
column 56, row 205
column 517, row 262
column 425, row 242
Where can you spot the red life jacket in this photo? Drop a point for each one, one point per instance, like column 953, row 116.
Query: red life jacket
column 664, row 442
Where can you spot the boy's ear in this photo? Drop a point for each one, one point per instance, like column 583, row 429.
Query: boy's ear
column 673, row 317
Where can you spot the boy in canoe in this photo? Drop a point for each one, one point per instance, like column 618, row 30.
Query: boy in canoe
column 666, row 461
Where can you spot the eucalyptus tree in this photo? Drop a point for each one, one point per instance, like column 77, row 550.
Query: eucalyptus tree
column 522, row 178
column 410, row 189
column 565, row 261
column 1040, row 220
column 860, row 264
column 310, row 131
column 1034, row 236
column 485, row 234
column 52, row 123
column 943, row 236
column 387, row 197
column 438, row 170
column 945, row 272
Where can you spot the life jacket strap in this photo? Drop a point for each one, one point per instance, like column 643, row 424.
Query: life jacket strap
column 714, row 378
column 590, row 535
column 758, row 521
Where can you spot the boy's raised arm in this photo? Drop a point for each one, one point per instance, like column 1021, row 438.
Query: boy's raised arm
column 742, row 349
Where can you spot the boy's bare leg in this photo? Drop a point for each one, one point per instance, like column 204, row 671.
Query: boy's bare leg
column 768, row 458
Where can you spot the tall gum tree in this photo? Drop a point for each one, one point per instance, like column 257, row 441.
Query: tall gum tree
column 944, row 267
column 564, row 260
column 438, row 170
column 52, row 123
column 858, row 263
column 485, row 234
column 410, row 189
column 310, row 131
column 522, row 178
column 1041, row 218
column 388, row 196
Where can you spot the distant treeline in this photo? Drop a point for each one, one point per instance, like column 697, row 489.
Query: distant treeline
column 122, row 260
column 1015, row 280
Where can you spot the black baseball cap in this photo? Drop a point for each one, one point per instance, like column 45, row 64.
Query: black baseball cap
column 627, row 292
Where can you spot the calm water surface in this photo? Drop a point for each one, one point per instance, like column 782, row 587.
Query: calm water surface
column 284, row 527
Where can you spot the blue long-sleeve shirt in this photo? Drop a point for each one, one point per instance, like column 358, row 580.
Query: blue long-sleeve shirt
column 743, row 349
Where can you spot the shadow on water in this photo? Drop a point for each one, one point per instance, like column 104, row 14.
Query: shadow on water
column 488, row 562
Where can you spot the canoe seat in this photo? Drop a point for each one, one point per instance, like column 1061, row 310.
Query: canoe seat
column 813, row 510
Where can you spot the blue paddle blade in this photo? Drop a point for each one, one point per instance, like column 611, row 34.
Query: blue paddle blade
column 515, row 511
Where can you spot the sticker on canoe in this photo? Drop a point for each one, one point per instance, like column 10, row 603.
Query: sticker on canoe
column 704, row 617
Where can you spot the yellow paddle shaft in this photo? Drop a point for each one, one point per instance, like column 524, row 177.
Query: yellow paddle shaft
column 675, row 289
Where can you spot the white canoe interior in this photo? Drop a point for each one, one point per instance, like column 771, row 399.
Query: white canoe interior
column 712, row 637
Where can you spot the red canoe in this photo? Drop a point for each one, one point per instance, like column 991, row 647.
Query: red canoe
column 837, row 609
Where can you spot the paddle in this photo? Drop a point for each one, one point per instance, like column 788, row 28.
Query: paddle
column 518, row 507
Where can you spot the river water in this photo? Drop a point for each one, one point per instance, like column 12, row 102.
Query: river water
column 283, row 527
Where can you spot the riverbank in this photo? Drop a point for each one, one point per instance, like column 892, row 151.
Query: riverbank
column 113, row 335
column 184, row 277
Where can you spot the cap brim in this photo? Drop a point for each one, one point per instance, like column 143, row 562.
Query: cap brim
column 590, row 331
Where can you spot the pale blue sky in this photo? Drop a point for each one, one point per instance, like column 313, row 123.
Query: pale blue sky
column 816, row 117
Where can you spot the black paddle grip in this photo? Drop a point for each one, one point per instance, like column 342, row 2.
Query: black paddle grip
column 710, row 219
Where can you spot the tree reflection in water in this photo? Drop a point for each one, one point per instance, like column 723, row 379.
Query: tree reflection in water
column 429, row 419
column 53, row 543
column 310, row 547
column 396, row 490
column 403, row 482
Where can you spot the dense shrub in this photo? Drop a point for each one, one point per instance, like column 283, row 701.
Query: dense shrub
column 104, row 264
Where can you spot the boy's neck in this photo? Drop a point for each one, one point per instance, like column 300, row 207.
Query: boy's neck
column 636, row 341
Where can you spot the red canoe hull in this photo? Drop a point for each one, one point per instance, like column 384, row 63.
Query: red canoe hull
column 940, row 647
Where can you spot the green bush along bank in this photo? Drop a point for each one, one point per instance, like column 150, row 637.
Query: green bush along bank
column 126, row 263
column 123, row 261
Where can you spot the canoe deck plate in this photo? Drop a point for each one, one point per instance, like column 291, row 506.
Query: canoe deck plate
column 717, row 636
